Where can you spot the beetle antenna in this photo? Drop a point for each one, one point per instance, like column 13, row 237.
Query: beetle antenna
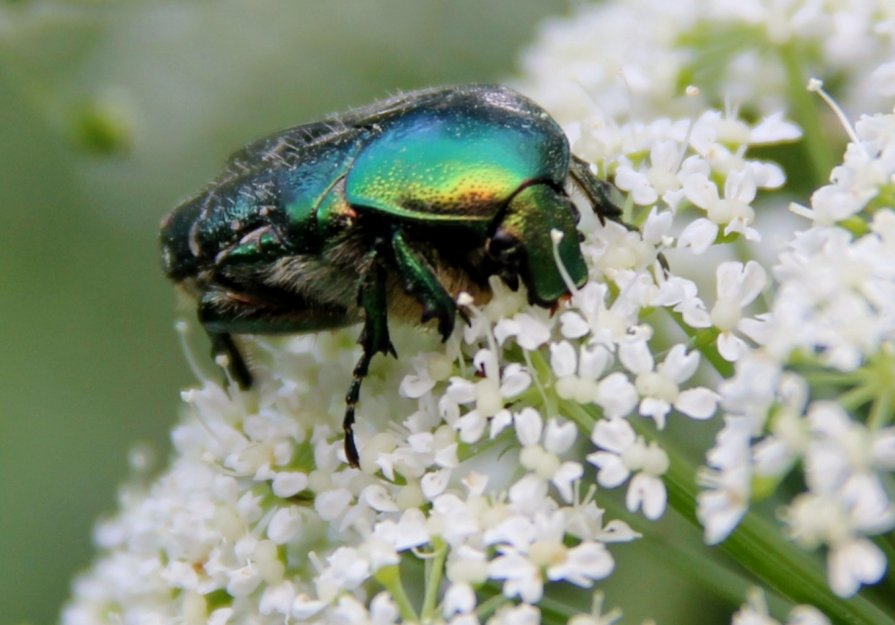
column 556, row 236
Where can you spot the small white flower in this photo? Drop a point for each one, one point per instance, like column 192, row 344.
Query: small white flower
column 577, row 375
column 815, row 519
column 489, row 394
column 659, row 386
column 737, row 286
column 728, row 483
column 532, row 549
column 626, row 453
column 542, row 449
column 659, row 178
column 531, row 329
column 733, row 211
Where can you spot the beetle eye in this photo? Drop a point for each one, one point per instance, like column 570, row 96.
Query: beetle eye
column 503, row 245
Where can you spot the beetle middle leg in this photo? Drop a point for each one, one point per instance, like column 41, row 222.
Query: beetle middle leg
column 374, row 339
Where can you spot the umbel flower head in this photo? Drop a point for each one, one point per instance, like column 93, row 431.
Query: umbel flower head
column 491, row 465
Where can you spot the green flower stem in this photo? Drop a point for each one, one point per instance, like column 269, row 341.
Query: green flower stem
column 828, row 378
column 881, row 411
column 555, row 611
column 493, row 603
column 885, row 542
column 854, row 398
column 879, row 377
column 758, row 546
column 539, row 369
column 434, row 573
column 390, row 578
column 700, row 565
column 805, row 111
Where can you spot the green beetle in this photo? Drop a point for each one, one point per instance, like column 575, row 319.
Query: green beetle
column 386, row 211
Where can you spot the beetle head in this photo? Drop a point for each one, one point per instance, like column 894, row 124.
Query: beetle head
column 522, row 244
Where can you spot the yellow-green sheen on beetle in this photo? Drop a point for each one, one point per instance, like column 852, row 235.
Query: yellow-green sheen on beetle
column 392, row 209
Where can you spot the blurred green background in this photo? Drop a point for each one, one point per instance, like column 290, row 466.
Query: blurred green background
column 109, row 115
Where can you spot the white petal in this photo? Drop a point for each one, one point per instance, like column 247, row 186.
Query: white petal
column 514, row 381
column 648, row 492
column 656, row 226
column 635, row 356
column 700, row 190
column 285, row 525
column 499, row 422
column 656, row 409
column 774, row 129
column 434, row 483
column 882, row 450
column 698, row 235
column 562, row 359
column 504, row 329
column 533, row 332
column 460, row 390
column 854, row 563
column 616, row 395
column 529, row 426
column 698, row 403
column 459, row 598
column 616, row 435
column 729, row 278
column 559, row 437
column 731, row 347
column 572, row 325
column 471, row 426
column 753, row 281
column 378, row 498
column 415, row 386
column 288, row 483
column 565, row 477
column 758, row 328
column 612, row 471
column 679, row 365
column 593, row 361
column 583, row 564
column 719, row 514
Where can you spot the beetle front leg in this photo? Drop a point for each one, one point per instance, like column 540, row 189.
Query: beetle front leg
column 421, row 282
column 222, row 344
column 374, row 339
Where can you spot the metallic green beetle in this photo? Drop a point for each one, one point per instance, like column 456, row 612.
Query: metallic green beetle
column 388, row 210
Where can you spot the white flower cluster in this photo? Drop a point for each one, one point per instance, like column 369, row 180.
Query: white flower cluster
column 832, row 319
column 628, row 59
column 482, row 459
column 258, row 516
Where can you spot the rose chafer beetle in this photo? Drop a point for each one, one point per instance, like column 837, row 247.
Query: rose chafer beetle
column 386, row 211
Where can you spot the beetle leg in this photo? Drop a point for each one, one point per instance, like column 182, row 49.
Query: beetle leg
column 223, row 312
column 420, row 281
column 222, row 344
column 373, row 339
column 596, row 190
